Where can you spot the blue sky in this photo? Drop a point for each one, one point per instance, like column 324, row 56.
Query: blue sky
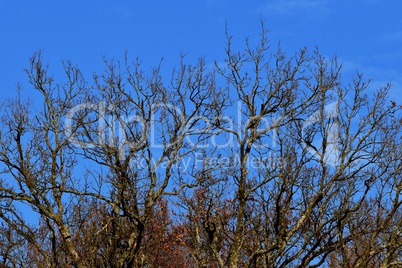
column 365, row 34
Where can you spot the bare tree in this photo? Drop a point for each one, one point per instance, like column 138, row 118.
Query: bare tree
column 314, row 170
column 40, row 154
column 264, row 160
column 38, row 164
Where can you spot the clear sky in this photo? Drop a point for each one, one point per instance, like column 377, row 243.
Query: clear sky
column 365, row 34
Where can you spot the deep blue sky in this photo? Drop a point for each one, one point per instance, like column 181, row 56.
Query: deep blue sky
column 365, row 34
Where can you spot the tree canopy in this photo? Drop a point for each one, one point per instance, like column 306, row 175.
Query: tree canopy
column 260, row 160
